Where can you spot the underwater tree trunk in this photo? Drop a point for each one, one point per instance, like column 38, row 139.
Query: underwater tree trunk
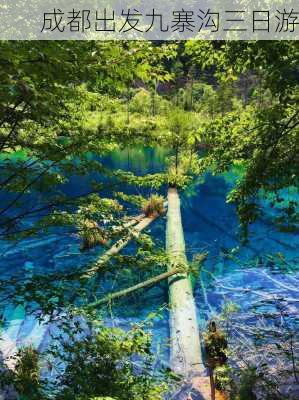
column 121, row 293
column 119, row 245
column 185, row 355
column 185, row 349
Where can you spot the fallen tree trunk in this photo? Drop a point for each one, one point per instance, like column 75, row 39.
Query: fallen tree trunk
column 185, row 349
column 119, row 245
column 132, row 221
column 149, row 282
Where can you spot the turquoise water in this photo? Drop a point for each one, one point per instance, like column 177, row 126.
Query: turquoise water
column 244, row 274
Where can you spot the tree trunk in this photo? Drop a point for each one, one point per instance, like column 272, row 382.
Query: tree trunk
column 185, row 349
column 119, row 245
column 149, row 282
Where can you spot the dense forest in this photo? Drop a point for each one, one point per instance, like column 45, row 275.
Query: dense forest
column 122, row 275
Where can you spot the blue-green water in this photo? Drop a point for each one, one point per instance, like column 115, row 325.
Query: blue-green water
column 265, row 266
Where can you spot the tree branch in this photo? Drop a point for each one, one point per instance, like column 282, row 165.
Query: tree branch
column 149, row 282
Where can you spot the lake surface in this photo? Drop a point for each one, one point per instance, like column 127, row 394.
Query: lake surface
column 247, row 275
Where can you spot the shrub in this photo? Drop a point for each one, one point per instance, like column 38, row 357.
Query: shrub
column 154, row 206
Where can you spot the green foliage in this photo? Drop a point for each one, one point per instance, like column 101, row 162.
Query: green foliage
column 248, row 379
column 26, row 375
column 180, row 136
column 177, row 178
column 154, row 181
column 255, row 127
column 91, row 235
column 49, row 90
column 228, row 309
column 154, row 206
column 100, row 365
column 223, row 378
column 196, row 265
column 141, row 102
column 261, row 134
column 136, row 200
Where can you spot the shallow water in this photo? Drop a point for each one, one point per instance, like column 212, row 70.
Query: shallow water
column 252, row 271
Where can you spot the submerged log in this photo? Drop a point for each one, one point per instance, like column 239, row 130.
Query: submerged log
column 149, row 282
column 185, row 353
column 185, row 347
column 93, row 235
column 154, row 208
column 119, row 245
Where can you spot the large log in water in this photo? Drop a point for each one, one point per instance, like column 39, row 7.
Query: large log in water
column 185, row 355
column 185, row 349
